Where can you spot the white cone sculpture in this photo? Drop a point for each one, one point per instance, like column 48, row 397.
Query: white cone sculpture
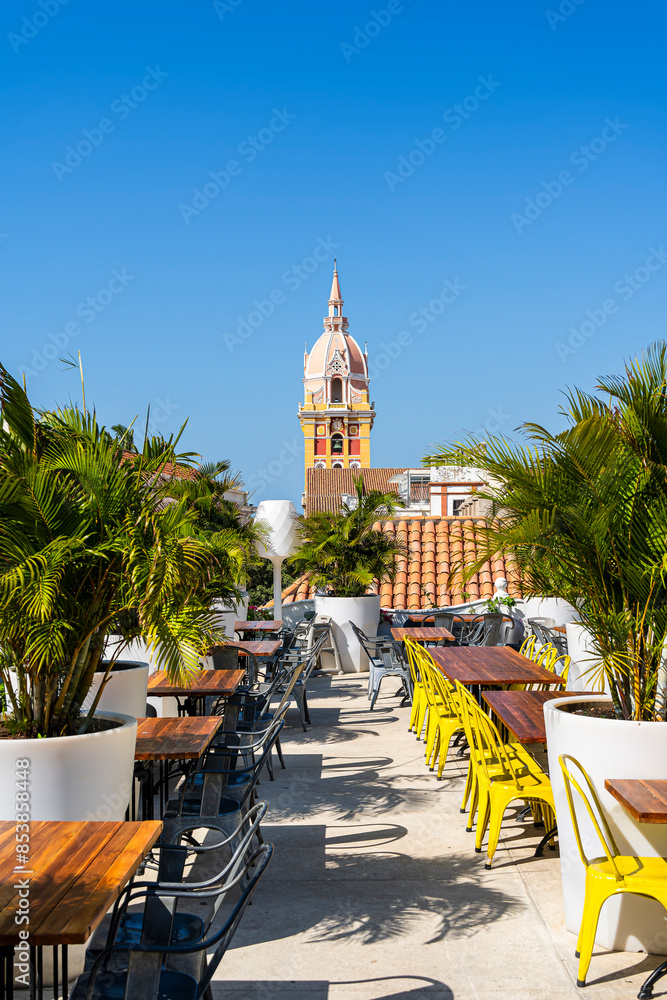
column 279, row 516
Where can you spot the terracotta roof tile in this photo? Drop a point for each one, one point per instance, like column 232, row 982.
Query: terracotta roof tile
column 325, row 487
column 422, row 577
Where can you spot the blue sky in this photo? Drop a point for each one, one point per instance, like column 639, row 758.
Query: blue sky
column 540, row 198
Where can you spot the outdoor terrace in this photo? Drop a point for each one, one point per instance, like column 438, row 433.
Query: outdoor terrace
column 375, row 890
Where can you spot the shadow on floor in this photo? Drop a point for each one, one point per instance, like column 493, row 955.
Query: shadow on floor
column 386, row 988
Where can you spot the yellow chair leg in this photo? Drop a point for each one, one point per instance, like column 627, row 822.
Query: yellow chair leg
column 593, row 900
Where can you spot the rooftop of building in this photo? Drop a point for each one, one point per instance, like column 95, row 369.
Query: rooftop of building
column 434, row 547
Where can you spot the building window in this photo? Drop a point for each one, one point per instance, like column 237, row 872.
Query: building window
column 337, row 466
column 335, row 310
column 336, row 390
column 337, row 444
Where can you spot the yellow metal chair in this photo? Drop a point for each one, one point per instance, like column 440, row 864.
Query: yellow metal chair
column 503, row 772
column 446, row 711
column 419, row 700
column 436, row 706
column 528, row 647
column 610, row 874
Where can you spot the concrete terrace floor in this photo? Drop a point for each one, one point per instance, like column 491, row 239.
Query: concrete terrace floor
column 375, row 891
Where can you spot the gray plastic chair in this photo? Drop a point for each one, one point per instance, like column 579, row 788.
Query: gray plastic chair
column 386, row 659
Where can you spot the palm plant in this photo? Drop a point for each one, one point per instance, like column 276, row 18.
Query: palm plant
column 88, row 545
column 345, row 553
column 217, row 521
column 584, row 512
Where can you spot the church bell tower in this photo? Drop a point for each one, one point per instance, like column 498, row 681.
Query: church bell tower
column 337, row 415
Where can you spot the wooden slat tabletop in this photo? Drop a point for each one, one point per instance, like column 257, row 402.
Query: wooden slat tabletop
column 208, row 682
column 559, row 628
column 78, row 870
column 522, row 711
column 175, row 738
column 644, row 798
column 490, row 666
column 274, row 625
column 421, row 634
column 463, row 616
column 259, row 647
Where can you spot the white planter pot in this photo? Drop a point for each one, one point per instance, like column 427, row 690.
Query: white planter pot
column 364, row 612
column 73, row 777
column 548, row 607
column 584, row 672
column 608, row 748
column 125, row 691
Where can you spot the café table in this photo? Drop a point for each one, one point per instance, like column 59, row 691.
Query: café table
column 421, row 634
column 274, row 625
column 646, row 800
column 490, row 666
column 521, row 712
column 74, row 873
column 205, row 684
column 258, row 647
column 184, row 740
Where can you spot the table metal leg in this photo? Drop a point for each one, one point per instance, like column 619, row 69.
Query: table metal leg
column 7, row 973
column 648, row 984
column 539, row 850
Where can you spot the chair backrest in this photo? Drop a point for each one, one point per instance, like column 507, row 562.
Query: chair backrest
column 528, row 647
column 225, row 657
column 304, row 667
column 412, row 650
column 147, row 962
column 593, row 808
column 444, row 688
column 485, row 740
column 493, row 623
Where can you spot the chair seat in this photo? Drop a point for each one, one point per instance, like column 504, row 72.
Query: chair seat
column 191, row 807
column 635, row 870
column 186, row 928
column 111, row 986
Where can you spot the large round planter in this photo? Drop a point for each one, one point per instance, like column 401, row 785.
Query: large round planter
column 608, row 748
column 364, row 612
column 86, row 777
column 584, row 672
column 548, row 607
column 125, row 690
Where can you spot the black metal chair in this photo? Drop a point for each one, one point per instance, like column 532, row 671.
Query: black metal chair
column 484, row 630
column 155, row 968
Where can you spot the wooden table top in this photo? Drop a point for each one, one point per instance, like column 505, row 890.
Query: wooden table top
column 491, row 666
column 175, row 738
column 274, row 625
column 644, row 798
column 522, row 711
column 78, row 870
column 207, row 682
column 258, row 647
column 559, row 628
column 420, row 634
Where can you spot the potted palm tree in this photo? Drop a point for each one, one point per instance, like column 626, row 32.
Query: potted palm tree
column 88, row 546
column 345, row 555
column 584, row 511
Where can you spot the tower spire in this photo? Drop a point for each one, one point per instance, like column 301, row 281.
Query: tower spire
column 335, row 287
